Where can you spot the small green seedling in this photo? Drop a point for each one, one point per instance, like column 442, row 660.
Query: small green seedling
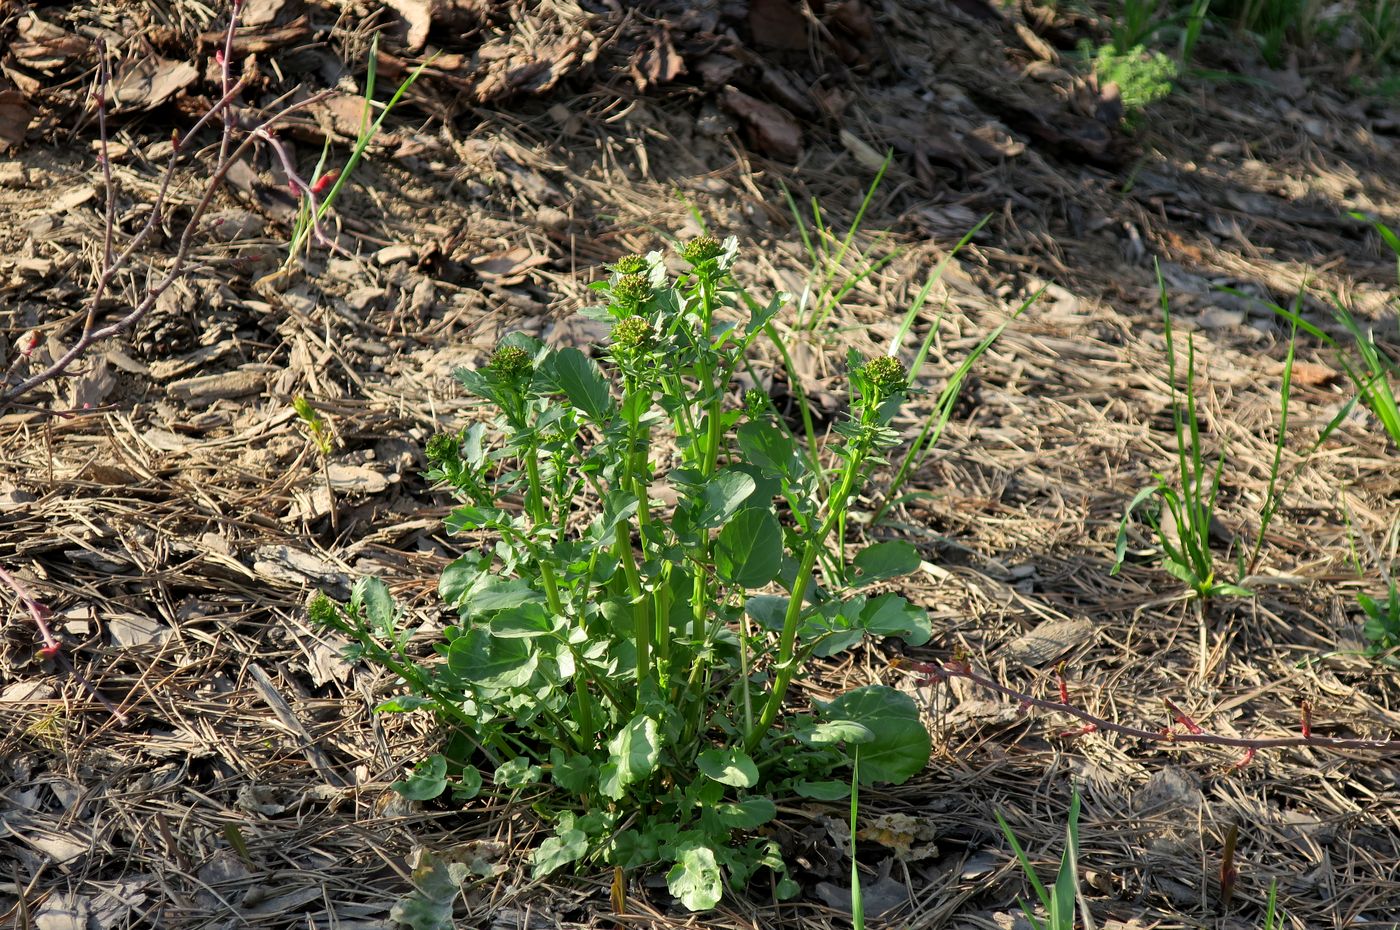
column 1183, row 528
column 1382, row 626
column 1060, row 900
column 321, row 433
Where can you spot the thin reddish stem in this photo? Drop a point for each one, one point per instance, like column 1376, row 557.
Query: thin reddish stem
column 956, row 669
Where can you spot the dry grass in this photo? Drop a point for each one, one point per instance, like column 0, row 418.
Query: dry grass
column 176, row 535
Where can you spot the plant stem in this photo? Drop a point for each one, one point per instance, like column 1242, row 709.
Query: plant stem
column 786, row 664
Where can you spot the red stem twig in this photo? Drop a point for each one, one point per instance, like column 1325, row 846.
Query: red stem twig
column 1195, row 733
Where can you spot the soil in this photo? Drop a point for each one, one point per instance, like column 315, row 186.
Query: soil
column 222, row 765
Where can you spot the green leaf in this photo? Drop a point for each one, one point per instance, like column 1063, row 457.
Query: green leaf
column 724, row 494
column 746, row 814
column 766, row 444
column 404, row 703
column 695, row 878
column 568, row 844
column 823, row 790
column 731, row 767
column 486, row 661
column 372, row 596
column 886, row 560
column 892, row 615
column 502, row 594
column 582, row 381
column 470, row 785
column 749, row 550
column 436, row 885
column 523, row 622
column 837, row 731
column 634, row 751
column 901, row 745
column 516, row 773
column 767, row 610
column 574, row 774
column 429, row 779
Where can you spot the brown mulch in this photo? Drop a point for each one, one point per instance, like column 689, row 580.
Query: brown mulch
column 176, row 532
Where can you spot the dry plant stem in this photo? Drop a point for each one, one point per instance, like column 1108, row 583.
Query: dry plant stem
column 1194, row 734
column 52, row 649
column 177, row 266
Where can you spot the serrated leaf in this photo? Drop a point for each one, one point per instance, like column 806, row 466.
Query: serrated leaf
column 582, row 381
column 695, row 878
column 731, row 767
column 523, row 622
column 429, row 779
column 900, row 747
column 749, row 550
column 372, row 597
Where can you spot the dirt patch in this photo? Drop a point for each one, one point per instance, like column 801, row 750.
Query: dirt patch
column 176, row 531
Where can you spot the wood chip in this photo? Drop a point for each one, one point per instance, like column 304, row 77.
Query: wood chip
column 1049, row 641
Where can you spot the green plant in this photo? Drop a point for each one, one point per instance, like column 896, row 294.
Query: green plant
column 1060, row 900
column 1183, row 528
column 323, row 436
column 1382, row 621
column 310, row 210
column 613, row 653
column 1143, row 76
column 1273, row 917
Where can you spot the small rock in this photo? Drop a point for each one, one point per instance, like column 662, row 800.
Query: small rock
column 205, row 389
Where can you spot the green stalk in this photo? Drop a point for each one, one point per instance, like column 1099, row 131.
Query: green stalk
column 786, row 665
column 535, row 502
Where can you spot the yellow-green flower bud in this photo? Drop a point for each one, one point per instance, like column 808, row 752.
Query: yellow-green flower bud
column 633, row 334
column 886, row 375
column 512, row 363
column 630, row 264
column 631, row 290
column 701, row 249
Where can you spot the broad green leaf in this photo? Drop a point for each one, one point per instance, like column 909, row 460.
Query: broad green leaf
column 823, row 790
column 502, row 594
column 470, row 785
column 750, row 548
column 767, row 610
column 429, row 779
column 747, row 814
column 731, row 767
column 766, row 444
column 724, row 494
column 490, row 662
column 523, row 622
column 837, row 731
column 886, row 560
column 462, row 574
column 695, row 878
column 517, row 772
column 900, row 747
column 582, row 381
column 574, row 774
column 567, row 845
column 892, row 615
column 634, row 751
column 436, row 885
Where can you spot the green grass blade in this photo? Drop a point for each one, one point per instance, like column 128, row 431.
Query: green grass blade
column 922, row 296
column 1026, row 866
